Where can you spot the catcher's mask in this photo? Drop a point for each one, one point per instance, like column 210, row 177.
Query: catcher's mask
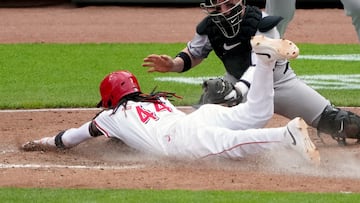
column 226, row 14
column 115, row 86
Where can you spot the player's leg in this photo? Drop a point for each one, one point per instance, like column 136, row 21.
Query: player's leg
column 283, row 8
column 210, row 141
column 254, row 113
column 352, row 8
column 340, row 124
column 294, row 98
column 258, row 108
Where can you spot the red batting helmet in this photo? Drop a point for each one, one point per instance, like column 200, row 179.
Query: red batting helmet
column 115, row 86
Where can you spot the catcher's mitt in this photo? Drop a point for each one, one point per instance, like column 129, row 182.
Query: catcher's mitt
column 216, row 90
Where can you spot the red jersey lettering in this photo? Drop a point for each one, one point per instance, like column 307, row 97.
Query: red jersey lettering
column 162, row 107
column 145, row 115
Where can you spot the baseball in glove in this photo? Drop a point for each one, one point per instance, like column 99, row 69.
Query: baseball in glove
column 219, row 91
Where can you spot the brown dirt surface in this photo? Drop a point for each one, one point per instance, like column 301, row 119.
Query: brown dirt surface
column 104, row 163
column 65, row 23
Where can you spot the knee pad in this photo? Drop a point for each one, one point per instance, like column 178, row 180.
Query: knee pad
column 340, row 124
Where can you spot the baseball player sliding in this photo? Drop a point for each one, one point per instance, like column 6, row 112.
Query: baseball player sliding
column 150, row 123
column 227, row 30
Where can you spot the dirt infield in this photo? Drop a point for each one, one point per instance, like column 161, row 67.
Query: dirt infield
column 103, row 163
column 65, row 23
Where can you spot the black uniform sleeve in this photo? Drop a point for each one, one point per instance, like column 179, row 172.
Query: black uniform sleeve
column 268, row 22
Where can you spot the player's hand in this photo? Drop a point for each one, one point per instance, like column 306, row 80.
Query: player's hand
column 158, row 63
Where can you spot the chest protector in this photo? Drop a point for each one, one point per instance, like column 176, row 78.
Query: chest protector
column 235, row 53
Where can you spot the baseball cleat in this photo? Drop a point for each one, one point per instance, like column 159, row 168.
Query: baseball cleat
column 274, row 48
column 300, row 141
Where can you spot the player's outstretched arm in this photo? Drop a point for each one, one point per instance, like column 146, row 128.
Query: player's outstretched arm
column 63, row 140
column 164, row 63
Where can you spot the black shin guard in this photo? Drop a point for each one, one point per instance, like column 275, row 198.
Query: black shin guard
column 58, row 140
column 340, row 124
column 93, row 130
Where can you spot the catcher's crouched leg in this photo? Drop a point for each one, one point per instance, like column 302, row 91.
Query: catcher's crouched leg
column 220, row 91
column 340, row 124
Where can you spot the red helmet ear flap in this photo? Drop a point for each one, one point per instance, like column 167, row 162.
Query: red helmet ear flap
column 116, row 86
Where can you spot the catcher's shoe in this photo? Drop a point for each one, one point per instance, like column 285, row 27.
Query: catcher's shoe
column 274, row 49
column 298, row 136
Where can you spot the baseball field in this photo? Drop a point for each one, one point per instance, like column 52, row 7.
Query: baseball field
column 41, row 47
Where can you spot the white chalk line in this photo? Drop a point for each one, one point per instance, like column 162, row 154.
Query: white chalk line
column 47, row 166
column 336, row 82
column 335, row 57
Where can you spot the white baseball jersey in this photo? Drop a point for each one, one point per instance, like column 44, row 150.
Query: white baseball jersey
column 159, row 128
column 142, row 125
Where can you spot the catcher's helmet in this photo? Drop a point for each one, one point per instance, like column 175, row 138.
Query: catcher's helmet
column 226, row 14
column 115, row 86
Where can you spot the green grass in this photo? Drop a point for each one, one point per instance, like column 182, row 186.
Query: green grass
column 68, row 75
column 173, row 196
column 344, row 97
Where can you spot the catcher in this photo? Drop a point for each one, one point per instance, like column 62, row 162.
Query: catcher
column 227, row 31
column 150, row 123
